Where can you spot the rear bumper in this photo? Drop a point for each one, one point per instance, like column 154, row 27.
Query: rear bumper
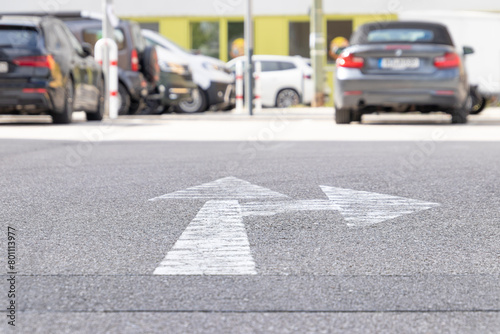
column 442, row 90
column 26, row 99
column 135, row 84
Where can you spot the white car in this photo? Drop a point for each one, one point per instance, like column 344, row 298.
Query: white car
column 286, row 80
column 214, row 80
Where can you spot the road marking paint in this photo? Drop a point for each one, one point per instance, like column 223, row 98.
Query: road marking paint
column 228, row 188
column 214, row 243
column 362, row 208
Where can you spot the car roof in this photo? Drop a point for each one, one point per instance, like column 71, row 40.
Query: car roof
column 24, row 20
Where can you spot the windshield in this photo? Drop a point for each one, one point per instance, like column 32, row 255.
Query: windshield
column 165, row 43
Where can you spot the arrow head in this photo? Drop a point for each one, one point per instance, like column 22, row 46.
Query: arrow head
column 362, row 208
column 228, row 188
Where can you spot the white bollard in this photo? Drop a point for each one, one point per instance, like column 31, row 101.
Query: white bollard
column 112, row 78
column 239, row 87
column 258, row 86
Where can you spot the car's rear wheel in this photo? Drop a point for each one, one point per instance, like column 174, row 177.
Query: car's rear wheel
column 99, row 114
column 197, row 102
column 459, row 115
column 67, row 115
column 287, row 98
column 124, row 100
column 343, row 116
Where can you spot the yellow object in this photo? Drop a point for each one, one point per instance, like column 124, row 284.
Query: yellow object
column 336, row 46
column 237, row 48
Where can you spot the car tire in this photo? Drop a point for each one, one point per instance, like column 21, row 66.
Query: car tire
column 478, row 105
column 286, row 98
column 99, row 114
column 197, row 103
column 343, row 116
column 67, row 115
column 150, row 65
column 124, row 100
column 459, row 115
column 356, row 116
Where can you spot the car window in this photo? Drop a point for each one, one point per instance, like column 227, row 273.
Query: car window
column 269, row 66
column 55, row 37
column 18, row 37
column 152, row 42
column 72, row 39
column 285, row 65
column 92, row 35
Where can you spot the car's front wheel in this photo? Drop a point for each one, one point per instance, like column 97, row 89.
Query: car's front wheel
column 197, row 102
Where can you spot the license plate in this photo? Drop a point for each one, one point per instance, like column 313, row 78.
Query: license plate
column 4, row 67
column 399, row 63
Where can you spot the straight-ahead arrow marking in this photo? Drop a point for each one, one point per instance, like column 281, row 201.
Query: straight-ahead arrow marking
column 228, row 188
column 363, row 208
column 214, row 243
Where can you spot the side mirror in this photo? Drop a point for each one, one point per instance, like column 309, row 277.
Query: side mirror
column 468, row 50
column 87, row 49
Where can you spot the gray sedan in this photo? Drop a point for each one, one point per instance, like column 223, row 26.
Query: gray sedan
column 401, row 67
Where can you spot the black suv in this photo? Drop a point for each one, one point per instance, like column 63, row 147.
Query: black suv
column 138, row 69
column 44, row 69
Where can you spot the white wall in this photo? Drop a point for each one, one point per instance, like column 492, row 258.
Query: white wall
column 236, row 7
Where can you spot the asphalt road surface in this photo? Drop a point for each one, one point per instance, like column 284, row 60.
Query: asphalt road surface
column 353, row 236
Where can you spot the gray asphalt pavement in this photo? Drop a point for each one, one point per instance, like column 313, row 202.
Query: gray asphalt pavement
column 89, row 238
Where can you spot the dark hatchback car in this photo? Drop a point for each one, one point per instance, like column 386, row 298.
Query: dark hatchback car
column 401, row 67
column 44, row 69
column 137, row 62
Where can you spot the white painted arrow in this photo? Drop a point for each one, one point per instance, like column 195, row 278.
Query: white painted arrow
column 362, row 208
column 216, row 242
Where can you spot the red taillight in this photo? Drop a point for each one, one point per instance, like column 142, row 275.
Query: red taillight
column 350, row 60
column 449, row 60
column 35, row 61
column 35, row 90
column 134, row 60
column 307, row 76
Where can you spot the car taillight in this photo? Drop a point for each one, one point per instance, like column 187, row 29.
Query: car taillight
column 134, row 60
column 449, row 60
column 35, row 61
column 350, row 60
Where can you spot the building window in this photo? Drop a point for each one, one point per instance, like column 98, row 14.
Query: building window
column 205, row 38
column 235, row 39
column 298, row 39
column 338, row 34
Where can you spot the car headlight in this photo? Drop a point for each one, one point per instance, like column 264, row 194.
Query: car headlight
column 210, row 66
